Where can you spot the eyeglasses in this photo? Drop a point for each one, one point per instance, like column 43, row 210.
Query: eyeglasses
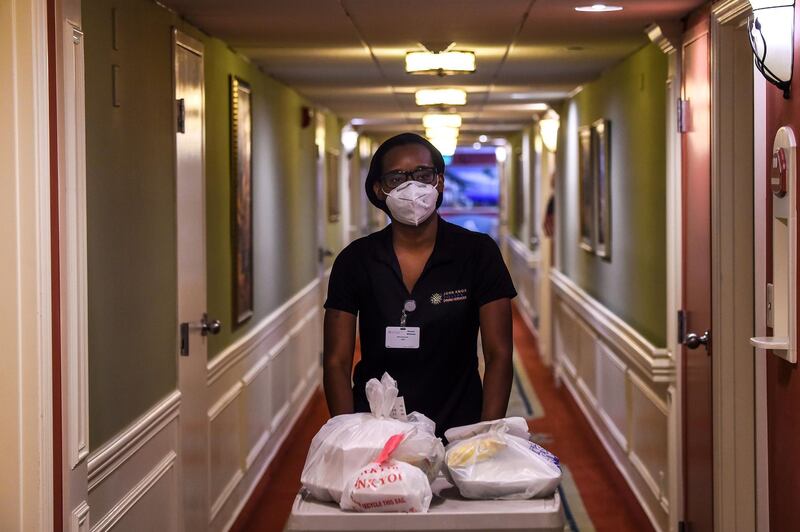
column 421, row 174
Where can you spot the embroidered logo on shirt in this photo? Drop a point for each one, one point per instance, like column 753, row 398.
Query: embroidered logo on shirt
column 449, row 297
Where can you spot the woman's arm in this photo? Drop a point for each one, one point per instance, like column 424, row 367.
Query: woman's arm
column 497, row 340
column 337, row 360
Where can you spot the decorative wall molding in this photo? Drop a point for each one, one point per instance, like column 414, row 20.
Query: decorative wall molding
column 257, row 388
column 267, row 326
column 134, row 495
column 111, row 456
column 73, row 254
column 257, row 471
column 520, row 249
column 655, row 362
column 80, row 518
column 615, row 454
column 727, row 11
column 523, row 264
column 666, row 35
column 607, row 369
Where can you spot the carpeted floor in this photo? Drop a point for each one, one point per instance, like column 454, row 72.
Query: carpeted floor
column 596, row 495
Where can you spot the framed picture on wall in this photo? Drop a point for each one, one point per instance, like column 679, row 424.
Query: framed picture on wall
column 241, row 200
column 332, row 185
column 601, row 152
column 586, row 189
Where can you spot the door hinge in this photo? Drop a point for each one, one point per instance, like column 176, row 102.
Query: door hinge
column 770, row 305
column 184, row 339
column 681, row 326
column 181, row 112
column 683, row 115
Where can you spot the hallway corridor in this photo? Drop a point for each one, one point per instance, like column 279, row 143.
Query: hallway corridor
column 223, row 219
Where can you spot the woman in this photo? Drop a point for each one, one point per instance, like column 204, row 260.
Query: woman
column 422, row 288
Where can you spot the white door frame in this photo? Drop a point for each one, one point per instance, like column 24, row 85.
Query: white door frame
column 733, row 295
column 667, row 37
column 26, row 409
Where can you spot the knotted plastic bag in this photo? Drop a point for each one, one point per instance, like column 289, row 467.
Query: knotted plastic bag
column 388, row 485
column 497, row 460
column 347, row 443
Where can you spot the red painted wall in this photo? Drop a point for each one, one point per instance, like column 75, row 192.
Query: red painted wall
column 783, row 379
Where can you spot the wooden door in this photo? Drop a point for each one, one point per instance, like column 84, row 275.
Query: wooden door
column 696, row 366
column 192, row 358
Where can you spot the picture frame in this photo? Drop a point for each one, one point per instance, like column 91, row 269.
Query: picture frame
column 586, row 190
column 601, row 162
column 241, row 199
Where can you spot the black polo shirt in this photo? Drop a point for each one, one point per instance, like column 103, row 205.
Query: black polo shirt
column 439, row 379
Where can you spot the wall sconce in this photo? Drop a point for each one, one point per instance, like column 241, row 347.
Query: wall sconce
column 772, row 40
column 548, row 129
column 349, row 139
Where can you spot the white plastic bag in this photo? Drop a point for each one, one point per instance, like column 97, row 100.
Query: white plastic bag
column 387, row 485
column 496, row 460
column 348, row 442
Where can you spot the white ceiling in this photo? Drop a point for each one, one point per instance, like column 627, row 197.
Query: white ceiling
column 347, row 55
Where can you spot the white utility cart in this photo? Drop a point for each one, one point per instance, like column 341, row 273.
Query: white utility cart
column 448, row 512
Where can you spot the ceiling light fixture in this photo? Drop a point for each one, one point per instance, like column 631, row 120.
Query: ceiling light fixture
column 483, row 138
column 598, row 8
column 476, row 146
column 446, row 146
column 433, row 120
column 441, row 97
column 440, row 63
column 500, row 154
column 772, row 39
column 441, row 132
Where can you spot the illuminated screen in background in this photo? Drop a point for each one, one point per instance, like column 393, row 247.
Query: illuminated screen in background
column 472, row 190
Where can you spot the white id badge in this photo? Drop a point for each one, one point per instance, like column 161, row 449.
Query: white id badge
column 402, row 337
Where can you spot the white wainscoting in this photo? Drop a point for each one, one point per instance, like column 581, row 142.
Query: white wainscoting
column 523, row 264
column 257, row 388
column 133, row 479
column 624, row 385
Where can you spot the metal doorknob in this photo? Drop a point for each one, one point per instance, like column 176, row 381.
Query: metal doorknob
column 210, row 327
column 693, row 341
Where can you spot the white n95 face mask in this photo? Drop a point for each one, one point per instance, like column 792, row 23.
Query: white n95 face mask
column 412, row 202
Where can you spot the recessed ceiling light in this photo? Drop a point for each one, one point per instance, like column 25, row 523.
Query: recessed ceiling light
column 483, row 138
column 476, row 146
column 598, row 8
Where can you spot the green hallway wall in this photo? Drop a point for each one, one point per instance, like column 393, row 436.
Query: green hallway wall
column 632, row 95
column 131, row 205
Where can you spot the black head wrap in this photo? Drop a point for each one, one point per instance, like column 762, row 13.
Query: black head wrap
column 376, row 165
